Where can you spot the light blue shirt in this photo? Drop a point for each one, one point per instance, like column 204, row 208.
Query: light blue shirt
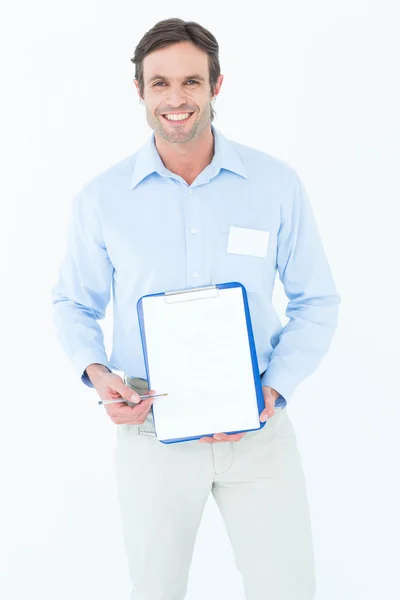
column 137, row 228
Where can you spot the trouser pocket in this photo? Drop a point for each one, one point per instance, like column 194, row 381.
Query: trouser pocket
column 141, row 386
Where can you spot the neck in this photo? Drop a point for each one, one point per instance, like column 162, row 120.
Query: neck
column 187, row 159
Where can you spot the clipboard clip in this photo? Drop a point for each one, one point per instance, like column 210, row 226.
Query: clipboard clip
column 199, row 293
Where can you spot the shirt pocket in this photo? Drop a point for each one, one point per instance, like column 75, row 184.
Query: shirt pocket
column 250, row 271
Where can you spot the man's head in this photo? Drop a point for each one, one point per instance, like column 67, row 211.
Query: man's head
column 177, row 72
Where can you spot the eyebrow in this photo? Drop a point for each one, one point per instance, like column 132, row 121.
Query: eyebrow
column 196, row 76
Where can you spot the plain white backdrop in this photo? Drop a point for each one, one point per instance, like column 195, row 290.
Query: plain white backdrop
column 314, row 83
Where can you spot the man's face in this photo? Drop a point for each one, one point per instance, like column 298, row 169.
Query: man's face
column 177, row 91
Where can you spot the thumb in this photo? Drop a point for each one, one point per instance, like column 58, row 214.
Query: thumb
column 269, row 401
column 126, row 392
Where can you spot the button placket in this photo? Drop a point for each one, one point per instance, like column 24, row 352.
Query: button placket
column 194, row 249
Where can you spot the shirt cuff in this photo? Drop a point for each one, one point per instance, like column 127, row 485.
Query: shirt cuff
column 84, row 359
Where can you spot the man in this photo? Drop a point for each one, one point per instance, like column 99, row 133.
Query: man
column 160, row 220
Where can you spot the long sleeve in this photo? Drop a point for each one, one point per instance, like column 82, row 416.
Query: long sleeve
column 82, row 293
column 313, row 298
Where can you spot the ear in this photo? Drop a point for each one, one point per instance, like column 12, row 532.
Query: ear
column 218, row 85
column 135, row 81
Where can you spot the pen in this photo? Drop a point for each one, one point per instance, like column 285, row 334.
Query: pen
column 123, row 400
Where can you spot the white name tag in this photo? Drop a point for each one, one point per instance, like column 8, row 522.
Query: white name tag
column 252, row 242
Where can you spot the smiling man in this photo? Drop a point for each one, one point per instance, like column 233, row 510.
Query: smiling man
column 186, row 210
column 176, row 91
column 193, row 118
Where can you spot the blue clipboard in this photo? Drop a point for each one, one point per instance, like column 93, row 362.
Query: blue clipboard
column 185, row 294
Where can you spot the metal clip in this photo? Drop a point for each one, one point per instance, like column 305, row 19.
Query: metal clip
column 208, row 291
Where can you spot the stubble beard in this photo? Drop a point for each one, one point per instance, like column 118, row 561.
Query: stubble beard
column 155, row 123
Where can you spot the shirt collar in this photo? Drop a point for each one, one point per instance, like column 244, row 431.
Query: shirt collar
column 148, row 160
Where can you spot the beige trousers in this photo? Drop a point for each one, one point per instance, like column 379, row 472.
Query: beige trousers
column 258, row 485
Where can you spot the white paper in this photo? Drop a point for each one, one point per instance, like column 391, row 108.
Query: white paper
column 252, row 242
column 198, row 352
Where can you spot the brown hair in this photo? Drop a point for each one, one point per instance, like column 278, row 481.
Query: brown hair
column 172, row 31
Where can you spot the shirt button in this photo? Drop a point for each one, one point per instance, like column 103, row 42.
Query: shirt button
column 193, row 230
column 195, row 274
column 189, row 191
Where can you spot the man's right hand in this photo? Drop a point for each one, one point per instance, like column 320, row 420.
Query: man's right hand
column 110, row 386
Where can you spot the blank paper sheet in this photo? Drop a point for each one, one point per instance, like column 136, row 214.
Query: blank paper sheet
column 198, row 351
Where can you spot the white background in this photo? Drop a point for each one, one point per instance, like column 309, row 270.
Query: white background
column 312, row 82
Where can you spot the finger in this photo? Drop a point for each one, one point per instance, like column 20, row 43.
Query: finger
column 229, row 437
column 269, row 400
column 130, row 413
column 125, row 391
column 144, row 403
column 220, row 437
column 141, row 417
column 223, row 437
column 147, row 404
column 143, row 407
column 134, row 417
column 267, row 413
column 140, row 413
column 149, row 392
column 237, row 437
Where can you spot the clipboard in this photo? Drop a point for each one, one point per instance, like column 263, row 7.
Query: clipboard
column 198, row 347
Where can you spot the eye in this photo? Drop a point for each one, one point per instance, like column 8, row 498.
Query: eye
column 194, row 81
column 158, row 82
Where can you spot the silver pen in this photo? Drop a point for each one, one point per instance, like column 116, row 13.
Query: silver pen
column 123, row 399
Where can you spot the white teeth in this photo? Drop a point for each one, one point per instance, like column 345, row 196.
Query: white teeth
column 180, row 117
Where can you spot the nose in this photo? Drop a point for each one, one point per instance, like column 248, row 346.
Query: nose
column 176, row 96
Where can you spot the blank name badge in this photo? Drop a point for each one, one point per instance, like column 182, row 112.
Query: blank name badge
column 251, row 242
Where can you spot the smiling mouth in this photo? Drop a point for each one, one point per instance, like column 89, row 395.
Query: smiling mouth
column 177, row 118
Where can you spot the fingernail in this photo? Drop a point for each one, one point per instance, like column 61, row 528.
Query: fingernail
column 135, row 399
column 217, row 437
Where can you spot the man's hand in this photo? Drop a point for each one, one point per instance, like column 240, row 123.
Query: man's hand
column 270, row 395
column 110, row 386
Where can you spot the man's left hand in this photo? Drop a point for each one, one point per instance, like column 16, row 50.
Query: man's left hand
column 270, row 395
